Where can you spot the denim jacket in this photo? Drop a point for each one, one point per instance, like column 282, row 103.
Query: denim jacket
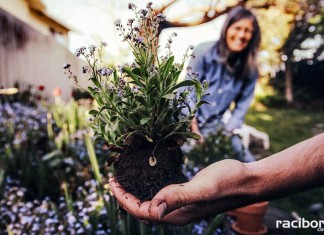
column 223, row 89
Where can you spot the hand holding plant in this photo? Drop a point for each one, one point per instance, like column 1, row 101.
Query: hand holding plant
column 142, row 106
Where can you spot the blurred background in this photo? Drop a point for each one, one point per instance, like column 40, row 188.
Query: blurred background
column 53, row 179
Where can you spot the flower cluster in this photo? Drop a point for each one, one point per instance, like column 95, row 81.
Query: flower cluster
column 46, row 217
column 146, row 97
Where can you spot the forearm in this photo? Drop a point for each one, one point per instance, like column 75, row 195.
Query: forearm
column 298, row 168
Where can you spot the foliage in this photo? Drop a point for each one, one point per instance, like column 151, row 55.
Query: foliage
column 286, row 126
column 70, row 118
column 88, row 215
column 305, row 40
column 47, row 188
column 79, row 94
column 272, row 100
column 36, row 150
column 144, row 98
column 278, row 21
column 216, row 147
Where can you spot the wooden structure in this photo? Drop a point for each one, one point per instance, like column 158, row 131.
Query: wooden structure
column 30, row 53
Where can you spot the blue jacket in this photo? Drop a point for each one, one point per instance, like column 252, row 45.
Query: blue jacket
column 223, row 88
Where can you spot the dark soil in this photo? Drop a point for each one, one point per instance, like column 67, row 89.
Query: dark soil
column 134, row 172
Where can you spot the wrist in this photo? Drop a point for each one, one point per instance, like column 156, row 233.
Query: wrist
column 232, row 179
column 241, row 182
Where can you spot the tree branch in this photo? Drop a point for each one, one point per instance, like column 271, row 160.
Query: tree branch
column 206, row 17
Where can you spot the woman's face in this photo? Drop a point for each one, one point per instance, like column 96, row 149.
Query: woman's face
column 239, row 35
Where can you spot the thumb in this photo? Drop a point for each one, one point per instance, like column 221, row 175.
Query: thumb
column 167, row 200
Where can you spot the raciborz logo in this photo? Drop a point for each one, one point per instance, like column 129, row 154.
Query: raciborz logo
column 301, row 223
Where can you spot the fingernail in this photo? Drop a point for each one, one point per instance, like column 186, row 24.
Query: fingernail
column 161, row 209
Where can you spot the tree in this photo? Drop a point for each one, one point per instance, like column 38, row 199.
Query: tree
column 306, row 26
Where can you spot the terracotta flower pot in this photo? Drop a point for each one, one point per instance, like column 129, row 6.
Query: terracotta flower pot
column 249, row 219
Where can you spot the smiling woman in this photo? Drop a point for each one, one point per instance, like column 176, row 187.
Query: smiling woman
column 239, row 35
column 230, row 67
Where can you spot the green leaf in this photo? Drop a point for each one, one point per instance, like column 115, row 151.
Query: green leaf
column 95, row 81
column 98, row 99
column 137, row 57
column 93, row 112
column 115, row 76
column 169, row 96
column 201, row 103
column 167, row 67
column 145, row 120
column 193, row 135
column 92, row 91
column 129, row 72
column 184, row 83
column 106, row 107
column 199, row 90
column 141, row 100
column 142, row 54
column 93, row 159
column 184, row 134
column 138, row 83
column 52, row 154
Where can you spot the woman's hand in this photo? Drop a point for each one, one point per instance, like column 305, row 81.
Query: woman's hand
column 194, row 128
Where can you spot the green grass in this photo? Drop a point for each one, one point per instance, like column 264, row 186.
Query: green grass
column 285, row 128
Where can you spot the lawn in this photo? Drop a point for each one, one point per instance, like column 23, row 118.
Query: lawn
column 286, row 127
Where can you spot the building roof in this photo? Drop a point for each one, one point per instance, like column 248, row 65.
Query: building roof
column 39, row 9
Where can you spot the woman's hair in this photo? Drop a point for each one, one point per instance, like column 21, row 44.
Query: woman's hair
column 244, row 62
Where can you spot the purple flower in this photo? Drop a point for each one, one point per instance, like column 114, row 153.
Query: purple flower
column 80, row 51
column 143, row 12
column 160, row 17
column 92, row 48
column 130, row 22
column 85, row 69
column 104, row 71
column 139, row 40
column 131, row 6
column 120, row 93
column 117, row 22
column 103, row 44
column 66, row 66
column 149, row 5
column 107, row 72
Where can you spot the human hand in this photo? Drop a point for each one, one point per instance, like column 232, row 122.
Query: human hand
column 195, row 129
column 201, row 139
column 180, row 204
